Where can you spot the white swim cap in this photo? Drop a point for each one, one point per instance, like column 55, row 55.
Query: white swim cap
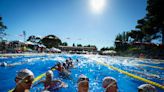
column 82, row 77
column 147, row 88
column 49, row 72
column 107, row 81
column 24, row 74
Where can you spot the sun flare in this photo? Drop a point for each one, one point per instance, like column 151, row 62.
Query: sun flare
column 97, row 5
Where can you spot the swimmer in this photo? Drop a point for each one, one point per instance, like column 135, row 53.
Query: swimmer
column 110, row 84
column 69, row 63
column 23, row 80
column 58, row 67
column 4, row 64
column 147, row 74
column 83, row 84
column 146, row 88
column 50, row 84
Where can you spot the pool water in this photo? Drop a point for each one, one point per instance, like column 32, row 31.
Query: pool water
column 87, row 65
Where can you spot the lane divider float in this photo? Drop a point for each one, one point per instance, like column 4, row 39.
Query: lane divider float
column 132, row 75
column 161, row 68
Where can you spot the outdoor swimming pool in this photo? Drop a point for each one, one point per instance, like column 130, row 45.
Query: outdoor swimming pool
column 87, row 65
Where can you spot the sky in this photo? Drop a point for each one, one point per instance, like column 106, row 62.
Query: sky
column 95, row 22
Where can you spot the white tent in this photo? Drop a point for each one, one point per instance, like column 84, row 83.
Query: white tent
column 55, row 50
column 109, row 52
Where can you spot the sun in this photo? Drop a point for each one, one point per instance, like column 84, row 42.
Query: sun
column 97, row 6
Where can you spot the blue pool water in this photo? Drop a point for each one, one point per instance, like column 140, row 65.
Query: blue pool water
column 88, row 66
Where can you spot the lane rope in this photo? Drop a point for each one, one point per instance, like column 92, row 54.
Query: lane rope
column 161, row 68
column 132, row 75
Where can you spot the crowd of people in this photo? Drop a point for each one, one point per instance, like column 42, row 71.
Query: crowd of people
column 24, row 80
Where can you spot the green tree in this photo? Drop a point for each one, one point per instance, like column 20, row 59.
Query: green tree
column 79, row 45
column 65, row 44
column 51, row 41
column 152, row 25
column 73, row 44
column 122, row 37
column 34, row 39
column 2, row 29
column 136, row 35
column 121, row 41
column 118, row 38
column 104, row 48
column 156, row 15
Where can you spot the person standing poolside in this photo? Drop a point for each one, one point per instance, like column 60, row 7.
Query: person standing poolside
column 83, row 84
column 50, row 84
column 23, row 81
column 146, row 88
column 110, row 84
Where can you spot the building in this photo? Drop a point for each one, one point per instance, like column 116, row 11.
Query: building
column 78, row 50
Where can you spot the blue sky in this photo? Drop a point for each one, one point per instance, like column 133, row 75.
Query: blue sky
column 74, row 19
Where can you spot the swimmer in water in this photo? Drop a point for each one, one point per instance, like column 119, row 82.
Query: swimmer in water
column 110, row 84
column 23, row 80
column 146, row 88
column 50, row 84
column 83, row 84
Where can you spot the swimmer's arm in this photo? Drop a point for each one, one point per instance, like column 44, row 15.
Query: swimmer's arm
column 54, row 67
column 42, row 81
column 62, row 83
column 57, row 81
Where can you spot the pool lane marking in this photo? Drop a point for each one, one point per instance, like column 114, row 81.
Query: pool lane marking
column 36, row 79
column 161, row 68
column 132, row 75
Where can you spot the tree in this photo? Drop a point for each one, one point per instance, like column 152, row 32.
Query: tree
column 51, row 41
column 121, row 41
column 79, row 45
column 137, row 35
column 156, row 17
column 104, row 49
column 122, row 37
column 2, row 29
column 152, row 25
column 73, row 45
column 34, row 39
column 65, row 44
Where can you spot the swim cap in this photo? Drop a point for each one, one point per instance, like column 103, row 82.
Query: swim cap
column 49, row 72
column 147, row 88
column 24, row 73
column 107, row 81
column 82, row 77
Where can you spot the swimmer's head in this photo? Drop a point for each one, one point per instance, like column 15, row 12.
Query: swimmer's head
column 49, row 74
column 83, row 83
column 146, row 88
